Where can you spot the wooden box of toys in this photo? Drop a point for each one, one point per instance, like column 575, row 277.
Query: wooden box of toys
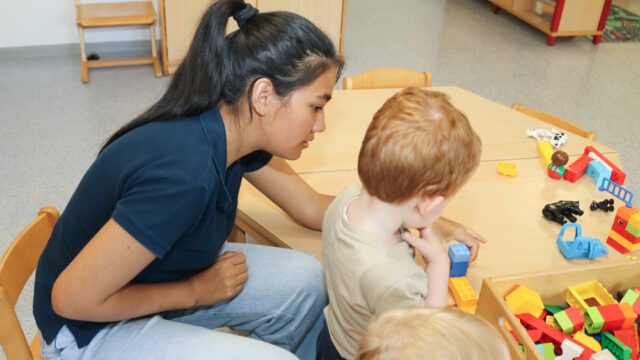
column 582, row 314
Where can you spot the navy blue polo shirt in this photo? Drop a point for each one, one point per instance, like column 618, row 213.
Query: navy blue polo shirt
column 166, row 183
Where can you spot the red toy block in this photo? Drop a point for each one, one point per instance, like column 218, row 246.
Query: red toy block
column 617, row 176
column 551, row 334
column 630, row 338
column 577, row 168
column 535, row 335
column 613, row 317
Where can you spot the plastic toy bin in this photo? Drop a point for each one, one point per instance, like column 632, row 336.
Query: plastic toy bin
column 552, row 287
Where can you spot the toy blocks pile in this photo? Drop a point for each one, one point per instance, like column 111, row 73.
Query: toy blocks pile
column 593, row 327
column 464, row 295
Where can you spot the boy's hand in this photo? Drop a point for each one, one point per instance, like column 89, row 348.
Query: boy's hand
column 470, row 238
column 428, row 244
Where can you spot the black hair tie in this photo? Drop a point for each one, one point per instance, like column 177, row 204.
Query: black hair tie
column 242, row 16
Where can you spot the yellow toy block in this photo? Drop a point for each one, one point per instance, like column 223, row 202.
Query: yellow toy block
column 634, row 220
column 549, row 319
column 587, row 341
column 507, row 169
column 545, row 150
column 523, row 300
column 466, row 298
column 588, row 294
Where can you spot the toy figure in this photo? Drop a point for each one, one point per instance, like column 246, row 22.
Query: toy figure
column 556, row 169
column 555, row 137
column 557, row 211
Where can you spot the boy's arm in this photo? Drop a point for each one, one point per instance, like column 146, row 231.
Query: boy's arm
column 291, row 193
column 450, row 230
column 437, row 269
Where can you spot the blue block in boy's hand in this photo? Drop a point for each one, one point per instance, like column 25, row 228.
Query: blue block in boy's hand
column 459, row 256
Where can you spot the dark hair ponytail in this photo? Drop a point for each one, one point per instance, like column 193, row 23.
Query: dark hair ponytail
column 281, row 46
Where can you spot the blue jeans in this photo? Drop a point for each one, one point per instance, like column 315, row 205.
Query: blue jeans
column 281, row 304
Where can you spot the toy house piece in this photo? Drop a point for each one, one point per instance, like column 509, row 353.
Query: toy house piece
column 581, row 246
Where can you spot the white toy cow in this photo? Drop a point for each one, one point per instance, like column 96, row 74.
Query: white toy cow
column 555, row 137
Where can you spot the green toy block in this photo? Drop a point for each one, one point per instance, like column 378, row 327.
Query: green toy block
column 633, row 230
column 562, row 322
column 617, row 347
column 593, row 320
column 630, row 297
column 547, row 351
column 553, row 309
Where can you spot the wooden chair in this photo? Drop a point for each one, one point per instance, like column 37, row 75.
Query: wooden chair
column 387, row 78
column 16, row 266
column 555, row 121
column 97, row 15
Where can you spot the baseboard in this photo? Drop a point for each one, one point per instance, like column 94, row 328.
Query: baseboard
column 104, row 49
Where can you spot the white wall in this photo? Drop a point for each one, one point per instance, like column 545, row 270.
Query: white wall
column 53, row 22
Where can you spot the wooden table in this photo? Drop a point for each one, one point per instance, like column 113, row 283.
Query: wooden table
column 507, row 211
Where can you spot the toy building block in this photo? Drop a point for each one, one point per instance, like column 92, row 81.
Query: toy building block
column 569, row 320
column 630, row 338
column 549, row 319
column 598, row 171
column 618, row 176
column 577, row 169
column 459, row 256
column 615, row 346
column 546, row 350
column 506, row 168
column 609, row 317
column 580, row 246
column 603, row 355
column 523, row 300
column 592, row 291
column 570, row 350
column 632, row 298
column 622, row 235
column 552, row 309
column 545, row 151
column 551, row 334
column 588, row 341
column 464, row 295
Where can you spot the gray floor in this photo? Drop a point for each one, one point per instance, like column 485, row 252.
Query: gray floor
column 52, row 125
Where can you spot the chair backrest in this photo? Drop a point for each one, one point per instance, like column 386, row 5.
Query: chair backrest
column 387, row 78
column 555, row 121
column 16, row 266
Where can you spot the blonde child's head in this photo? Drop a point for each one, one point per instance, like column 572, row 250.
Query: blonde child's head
column 439, row 334
column 418, row 143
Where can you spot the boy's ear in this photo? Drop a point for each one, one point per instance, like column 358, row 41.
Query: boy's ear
column 262, row 96
column 428, row 203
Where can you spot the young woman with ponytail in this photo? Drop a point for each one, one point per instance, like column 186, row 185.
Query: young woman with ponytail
column 137, row 266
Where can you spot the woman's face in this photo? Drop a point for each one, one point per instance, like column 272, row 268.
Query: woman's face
column 298, row 117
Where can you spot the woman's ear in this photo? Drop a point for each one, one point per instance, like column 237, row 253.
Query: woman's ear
column 262, row 96
column 427, row 204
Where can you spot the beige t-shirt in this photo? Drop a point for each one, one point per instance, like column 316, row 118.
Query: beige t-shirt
column 365, row 274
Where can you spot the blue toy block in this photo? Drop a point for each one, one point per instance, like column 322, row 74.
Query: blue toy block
column 458, row 269
column 581, row 246
column 459, row 256
column 459, row 253
column 598, row 171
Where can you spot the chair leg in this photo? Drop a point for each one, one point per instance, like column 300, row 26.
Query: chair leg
column 83, row 57
column 154, row 52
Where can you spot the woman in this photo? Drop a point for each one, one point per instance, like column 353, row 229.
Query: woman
column 137, row 268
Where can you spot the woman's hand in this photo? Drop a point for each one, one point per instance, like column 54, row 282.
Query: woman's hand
column 221, row 281
column 449, row 230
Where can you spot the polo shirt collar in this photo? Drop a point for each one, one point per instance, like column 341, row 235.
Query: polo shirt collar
column 215, row 133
